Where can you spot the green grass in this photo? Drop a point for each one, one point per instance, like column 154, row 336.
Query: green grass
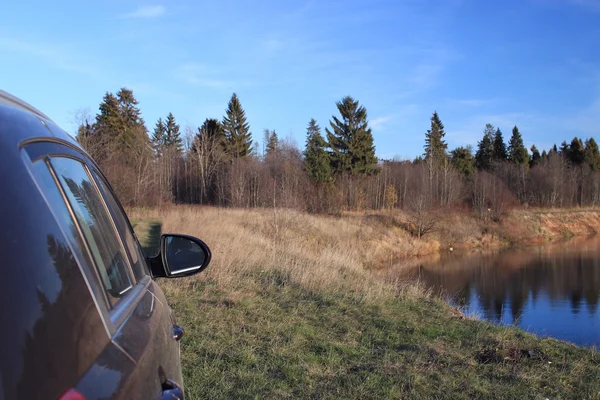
column 276, row 339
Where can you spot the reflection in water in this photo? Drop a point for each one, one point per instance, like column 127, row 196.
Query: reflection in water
column 552, row 290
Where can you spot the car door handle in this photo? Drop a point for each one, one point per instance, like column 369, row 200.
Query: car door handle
column 171, row 391
column 178, row 332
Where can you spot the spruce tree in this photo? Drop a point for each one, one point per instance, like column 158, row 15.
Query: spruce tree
column 134, row 131
column 535, row 156
column 485, row 148
column 211, row 132
column 272, row 141
column 435, row 146
column 517, row 153
column 109, row 123
column 351, row 140
column 576, row 152
column 84, row 132
column 592, row 155
column 238, row 138
column 316, row 159
column 544, row 155
column 158, row 138
column 499, row 152
column 462, row 159
column 172, row 137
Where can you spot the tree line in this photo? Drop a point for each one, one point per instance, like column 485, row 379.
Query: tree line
column 220, row 164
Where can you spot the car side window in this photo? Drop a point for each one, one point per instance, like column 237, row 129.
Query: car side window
column 96, row 225
column 138, row 260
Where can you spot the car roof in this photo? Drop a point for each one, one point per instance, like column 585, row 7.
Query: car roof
column 13, row 101
column 21, row 121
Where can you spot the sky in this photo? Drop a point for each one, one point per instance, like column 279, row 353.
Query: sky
column 531, row 63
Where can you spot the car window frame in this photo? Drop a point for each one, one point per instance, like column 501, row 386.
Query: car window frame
column 43, row 150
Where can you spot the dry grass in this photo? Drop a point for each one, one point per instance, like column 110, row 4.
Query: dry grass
column 316, row 252
column 338, row 253
column 291, row 308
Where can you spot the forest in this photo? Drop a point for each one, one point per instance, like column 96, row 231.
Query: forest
column 221, row 164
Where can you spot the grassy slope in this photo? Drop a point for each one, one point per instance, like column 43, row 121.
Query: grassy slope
column 287, row 310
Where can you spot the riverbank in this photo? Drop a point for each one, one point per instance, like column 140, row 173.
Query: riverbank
column 290, row 308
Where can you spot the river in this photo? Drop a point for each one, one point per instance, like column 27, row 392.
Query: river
column 550, row 290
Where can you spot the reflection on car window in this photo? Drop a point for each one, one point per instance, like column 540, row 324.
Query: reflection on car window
column 96, row 226
column 135, row 252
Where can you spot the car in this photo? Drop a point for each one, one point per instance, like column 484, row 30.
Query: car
column 83, row 316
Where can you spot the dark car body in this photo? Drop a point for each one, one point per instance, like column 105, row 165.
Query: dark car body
column 82, row 316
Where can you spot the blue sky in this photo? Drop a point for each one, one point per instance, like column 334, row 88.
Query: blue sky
column 534, row 63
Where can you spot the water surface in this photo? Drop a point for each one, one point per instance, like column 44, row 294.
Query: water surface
column 550, row 290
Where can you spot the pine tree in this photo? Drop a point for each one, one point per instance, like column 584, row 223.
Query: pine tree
column 134, row 131
column 535, row 156
column 435, row 146
column 351, row 140
column 517, row 153
column 544, row 155
column 238, row 138
column 109, row 123
column 272, row 141
column 212, row 131
column 316, row 159
column 499, row 152
column 564, row 149
column 485, row 148
column 158, row 138
column 463, row 161
column 84, row 132
column 592, row 155
column 172, row 137
column 576, row 152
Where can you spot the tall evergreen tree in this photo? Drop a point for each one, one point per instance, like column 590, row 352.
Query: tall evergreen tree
column 351, row 140
column 517, row 153
column 158, row 137
column 211, row 129
column 134, row 131
column 316, row 159
column 535, row 156
column 564, row 149
column 485, row 148
column 435, row 146
column 463, row 161
column 499, row 152
column 592, row 155
column 576, row 152
column 544, row 155
column 172, row 137
column 84, row 131
column 272, row 141
column 109, row 123
column 238, row 138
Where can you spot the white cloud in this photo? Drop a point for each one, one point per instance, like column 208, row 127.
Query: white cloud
column 145, row 12
column 54, row 55
column 379, row 122
column 469, row 102
column 201, row 75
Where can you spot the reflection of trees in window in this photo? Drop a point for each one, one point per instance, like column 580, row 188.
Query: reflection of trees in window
column 101, row 235
column 70, row 323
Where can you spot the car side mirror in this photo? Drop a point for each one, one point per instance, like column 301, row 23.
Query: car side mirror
column 179, row 256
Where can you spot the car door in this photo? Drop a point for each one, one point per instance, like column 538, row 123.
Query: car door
column 142, row 358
